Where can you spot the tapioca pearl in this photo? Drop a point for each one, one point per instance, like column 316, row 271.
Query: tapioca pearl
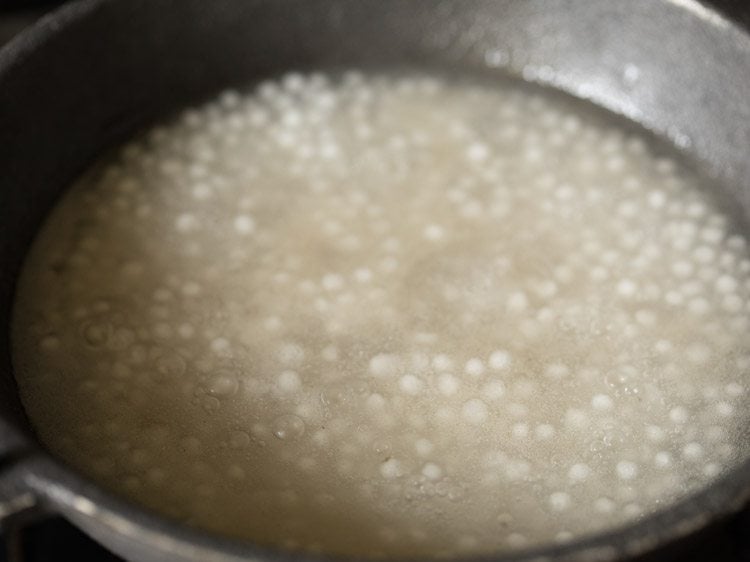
column 544, row 432
column 186, row 330
column 646, row 317
column 734, row 389
column 289, row 382
column 704, row 254
column 663, row 459
column 432, row 471
column 546, row 316
column 389, row 264
column 410, row 384
column 531, row 329
column 663, row 346
column 244, row 224
column 499, row 360
column 291, row 354
column 579, row 472
column 732, row 303
column 330, row 353
column 186, row 222
column 427, row 338
column 698, row 353
column 692, row 451
column 602, row 402
column 724, row 409
column 655, row 433
column 656, row 199
column 516, row 540
column 674, row 298
column 679, row 415
column 517, row 302
column 162, row 294
column 627, row 288
column 477, row 152
column 442, row 362
column 434, row 233
column 424, row 447
column 546, row 289
column 699, row 306
column 363, row 275
column 564, row 192
column 221, row 346
column 444, row 416
column 560, row 501
column 474, row 411
column 493, row 390
column 517, row 470
column 605, row 505
column 50, row 343
column 632, row 510
column 683, row 269
column 626, row 470
column 332, row 282
column 474, row 367
column 448, row 385
column 726, row 450
column 726, row 284
column 576, row 419
column 711, row 470
column 520, row 430
column 391, row 469
column 557, row 371
column 564, row 537
column 419, row 362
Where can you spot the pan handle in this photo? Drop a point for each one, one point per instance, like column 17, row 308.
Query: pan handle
column 19, row 505
column 17, row 500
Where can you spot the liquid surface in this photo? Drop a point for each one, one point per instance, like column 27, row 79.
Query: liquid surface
column 389, row 316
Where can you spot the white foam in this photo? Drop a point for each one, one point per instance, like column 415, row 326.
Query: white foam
column 369, row 300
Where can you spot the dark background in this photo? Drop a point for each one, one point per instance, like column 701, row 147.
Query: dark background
column 54, row 539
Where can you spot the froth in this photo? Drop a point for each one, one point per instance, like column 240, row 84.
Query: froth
column 389, row 315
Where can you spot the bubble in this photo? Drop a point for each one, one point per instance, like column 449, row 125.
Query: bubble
column 432, row 471
column 170, row 364
column 410, row 384
column 49, row 343
column 288, row 427
column 499, row 360
column 579, row 472
column 383, row 365
column 223, row 384
column 239, row 440
column 544, row 431
column 289, row 382
column 96, row 334
column 448, row 384
column 391, row 469
column 424, row 447
column 244, row 224
column 627, row 470
column 363, row 281
column 291, row 354
column 474, row 411
column 474, row 367
column 678, row 415
column 559, row 501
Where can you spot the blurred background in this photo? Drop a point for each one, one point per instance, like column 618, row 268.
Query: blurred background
column 54, row 539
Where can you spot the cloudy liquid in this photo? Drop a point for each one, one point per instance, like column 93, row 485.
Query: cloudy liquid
column 383, row 315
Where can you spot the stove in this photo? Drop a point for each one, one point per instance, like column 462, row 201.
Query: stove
column 54, row 538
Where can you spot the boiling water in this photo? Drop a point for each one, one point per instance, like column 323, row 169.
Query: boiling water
column 389, row 316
